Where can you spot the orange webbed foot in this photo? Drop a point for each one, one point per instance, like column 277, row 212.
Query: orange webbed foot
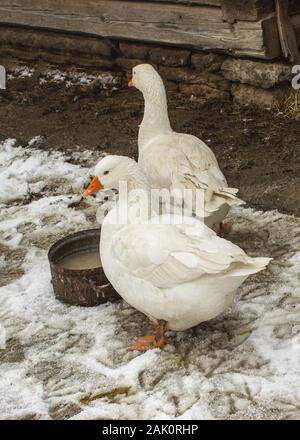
column 150, row 342
column 144, row 343
column 161, row 343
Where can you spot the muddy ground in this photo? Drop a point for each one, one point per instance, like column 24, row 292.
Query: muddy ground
column 258, row 150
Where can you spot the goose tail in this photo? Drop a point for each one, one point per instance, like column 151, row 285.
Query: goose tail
column 230, row 195
column 249, row 267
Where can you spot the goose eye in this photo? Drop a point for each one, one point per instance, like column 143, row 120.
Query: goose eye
column 106, row 172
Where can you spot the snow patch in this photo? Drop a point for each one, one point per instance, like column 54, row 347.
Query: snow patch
column 20, row 72
column 25, row 171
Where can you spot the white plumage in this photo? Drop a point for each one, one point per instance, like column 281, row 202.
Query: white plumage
column 183, row 274
column 177, row 160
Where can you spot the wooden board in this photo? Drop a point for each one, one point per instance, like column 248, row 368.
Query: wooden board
column 188, row 2
column 233, row 10
column 295, row 19
column 248, row 10
column 294, row 7
column 297, row 34
column 201, row 27
column 294, row 13
column 286, row 31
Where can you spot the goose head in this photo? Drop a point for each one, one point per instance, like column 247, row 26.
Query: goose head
column 146, row 79
column 111, row 170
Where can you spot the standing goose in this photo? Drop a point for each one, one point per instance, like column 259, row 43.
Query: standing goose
column 180, row 274
column 177, row 160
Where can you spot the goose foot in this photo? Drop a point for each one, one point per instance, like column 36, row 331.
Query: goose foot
column 161, row 342
column 223, row 229
column 144, row 343
column 150, row 342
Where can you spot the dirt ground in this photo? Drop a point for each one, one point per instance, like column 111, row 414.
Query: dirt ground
column 257, row 150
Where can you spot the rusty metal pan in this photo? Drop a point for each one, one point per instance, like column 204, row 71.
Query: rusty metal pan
column 82, row 287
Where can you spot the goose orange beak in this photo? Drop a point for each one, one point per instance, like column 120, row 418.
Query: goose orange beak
column 93, row 187
column 130, row 83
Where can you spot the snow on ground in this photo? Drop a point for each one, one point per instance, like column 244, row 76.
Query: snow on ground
column 107, row 80
column 69, row 362
column 27, row 172
column 20, row 72
column 69, row 77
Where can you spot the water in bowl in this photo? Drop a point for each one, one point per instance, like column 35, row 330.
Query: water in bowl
column 81, row 261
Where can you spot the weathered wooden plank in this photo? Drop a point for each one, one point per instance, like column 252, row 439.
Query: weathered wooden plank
column 295, row 19
column 198, row 26
column 294, row 14
column 294, row 7
column 270, row 39
column 217, row 3
column 297, row 34
column 271, row 36
column 249, row 10
column 286, row 31
column 189, row 2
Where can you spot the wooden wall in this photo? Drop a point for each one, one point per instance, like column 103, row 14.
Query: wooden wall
column 242, row 28
column 294, row 13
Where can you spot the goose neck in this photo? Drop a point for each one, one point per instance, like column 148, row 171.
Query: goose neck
column 156, row 119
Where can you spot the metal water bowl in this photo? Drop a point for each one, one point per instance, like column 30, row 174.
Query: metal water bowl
column 81, row 287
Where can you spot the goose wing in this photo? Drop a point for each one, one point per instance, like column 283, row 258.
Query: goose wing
column 168, row 255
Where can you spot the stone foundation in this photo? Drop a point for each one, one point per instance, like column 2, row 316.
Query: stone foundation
column 199, row 75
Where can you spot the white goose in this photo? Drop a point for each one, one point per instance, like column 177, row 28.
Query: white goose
column 180, row 274
column 177, row 160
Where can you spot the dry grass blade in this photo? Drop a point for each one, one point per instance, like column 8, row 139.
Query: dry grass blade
column 291, row 106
